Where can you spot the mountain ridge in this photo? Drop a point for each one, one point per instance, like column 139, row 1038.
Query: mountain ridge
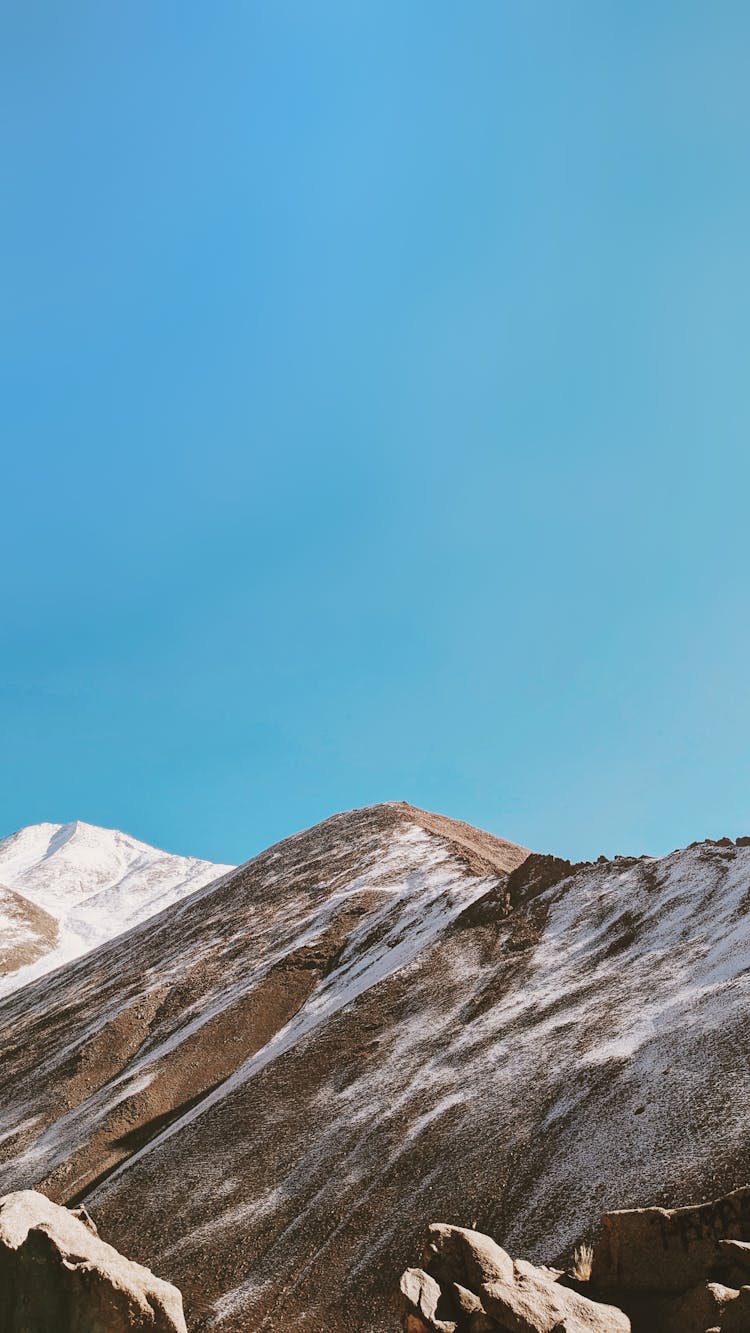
column 270, row 1088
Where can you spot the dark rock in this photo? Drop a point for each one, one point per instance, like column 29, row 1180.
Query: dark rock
column 736, row 1255
column 737, row 1316
column 701, row 1308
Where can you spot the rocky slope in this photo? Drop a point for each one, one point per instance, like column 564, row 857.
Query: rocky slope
column 268, row 1091
column 65, row 888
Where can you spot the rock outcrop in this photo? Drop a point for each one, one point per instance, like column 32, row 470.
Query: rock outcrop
column 670, row 1249
column 657, row 1270
column 468, row 1284
column 680, row 1270
column 58, row 1276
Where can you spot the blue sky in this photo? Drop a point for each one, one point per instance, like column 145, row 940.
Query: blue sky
column 376, row 404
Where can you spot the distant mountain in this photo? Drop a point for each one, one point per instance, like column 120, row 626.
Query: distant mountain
column 64, row 888
column 267, row 1091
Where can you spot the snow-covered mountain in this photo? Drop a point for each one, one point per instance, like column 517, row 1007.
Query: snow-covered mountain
column 64, row 888
column 267, row 1091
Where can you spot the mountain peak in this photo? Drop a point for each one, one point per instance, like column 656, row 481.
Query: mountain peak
column 483, row 852
column 93, row 883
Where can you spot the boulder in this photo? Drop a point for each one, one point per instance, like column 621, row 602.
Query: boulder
column 455, row 1254
column 695, row 1311
column 667, row 1249
column 470, row 1285
column 58, row 1276
column 419, row 1298
column 735, row 1254
column 465, row 1301
column 532, row 1303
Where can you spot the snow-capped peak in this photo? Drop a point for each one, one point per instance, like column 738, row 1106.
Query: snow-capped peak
column 95, row 882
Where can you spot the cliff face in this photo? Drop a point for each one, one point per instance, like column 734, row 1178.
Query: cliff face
column 269, row 1090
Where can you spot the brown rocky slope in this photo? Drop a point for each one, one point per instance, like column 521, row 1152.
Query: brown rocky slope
column 268, row 1091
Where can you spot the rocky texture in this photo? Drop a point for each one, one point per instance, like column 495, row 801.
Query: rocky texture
column 734, row 1259
column 269, row 1090
column 58, row 1276
column 669, row 1249
column 667, row 1270
column 470, row 1285
column 678, row 1270
column 705, row 1306
column 421, row 1299
column 736, row 1318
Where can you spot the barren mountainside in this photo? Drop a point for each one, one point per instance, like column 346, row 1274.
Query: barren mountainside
column 268, row 1090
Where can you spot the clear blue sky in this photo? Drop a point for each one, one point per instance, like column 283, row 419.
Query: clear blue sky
column 376, row 410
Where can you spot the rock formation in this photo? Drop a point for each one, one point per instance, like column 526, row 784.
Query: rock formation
column 670, row 1249
column 469, row 1285
column 681, row 1270
column 58, row 1276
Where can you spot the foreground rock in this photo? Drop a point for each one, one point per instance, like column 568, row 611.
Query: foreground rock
column 657, row 1270
column 468, row 1283
column 671, row 1249
column 681, row 1270
column 58, row 1276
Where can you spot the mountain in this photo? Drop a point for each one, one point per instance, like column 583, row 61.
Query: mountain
column 27, row 932
column 65, row 888
column 266, row 1092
